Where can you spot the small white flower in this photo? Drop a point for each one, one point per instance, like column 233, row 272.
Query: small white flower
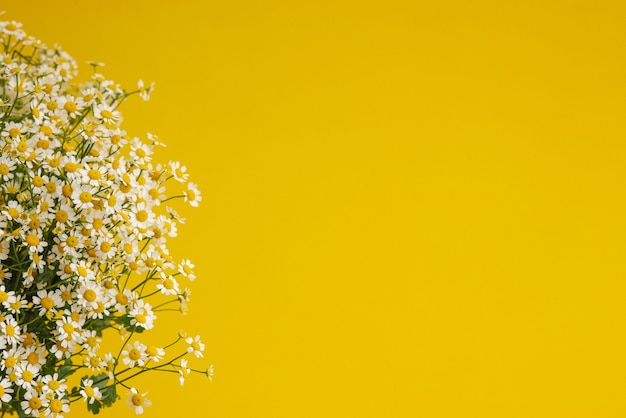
column 137, row 400
column 135, row 354
column 89, row 392
column 6, row 390
column 195, row 346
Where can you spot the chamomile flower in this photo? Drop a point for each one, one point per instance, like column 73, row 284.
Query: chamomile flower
column 135, row 354
column 209, row 372
column 186, row 269
column 6, row 391
column 142, row 315
column 155, row 353
column 26, row 374
column 83, row 233
column 11, row 330
column 195, row 346
column 179, row 172
column 47, row 300
column 7, row 166
column 145, row 91
column 33, row 403
column 137, row 401
column 52, row 383
column 89, row 392
column 89, row 294
column 56, row 407
column 192, row 194
column 183, row 372
column 107, row 113
column 168, row 285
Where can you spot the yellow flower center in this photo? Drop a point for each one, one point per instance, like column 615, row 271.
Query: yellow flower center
column 28, row 339
column 4, row 169
column 71, row 167
column 69, row 328
column 89, row 391
column 70, row 106
column 33, row 358
column 82, row 271
column 37, row 181
column 35, row 403
column 47, row 302
column 10, row 330
column 10, row 361
column 94, row 175
column 14, row 132
column 22, row 146
column 90, row 295
column 71, row 242
column 61, row 216
column 43, row 144
column 106, row 114
column 85, row 197
column 168, row 283
column 142, row 215
column 54, row 384
column 27, row 375
column 56, row 406
column 120, row 298
column 137, row 399
column 32, row 240
column 141, row 318
column 134, row 354
column 46, row 130
column 13, row 213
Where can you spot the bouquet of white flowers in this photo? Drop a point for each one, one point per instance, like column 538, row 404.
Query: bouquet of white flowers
column 83, row 231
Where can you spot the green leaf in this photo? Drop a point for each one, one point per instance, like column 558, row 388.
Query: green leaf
column 109, row 395
column 94, row 407
column 65, row 371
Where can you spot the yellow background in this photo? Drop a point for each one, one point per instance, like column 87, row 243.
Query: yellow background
column 411, row 208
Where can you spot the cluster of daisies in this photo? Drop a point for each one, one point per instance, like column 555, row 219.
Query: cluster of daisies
column 83, row 230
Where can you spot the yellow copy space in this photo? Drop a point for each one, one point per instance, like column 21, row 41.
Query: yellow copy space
column 411, row 208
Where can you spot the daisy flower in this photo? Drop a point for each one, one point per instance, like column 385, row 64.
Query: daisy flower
column 192, row 194
column 186, row 269
column 195, row 346
column 135, row 354
column 137, row 401
column 89, row 392
column 6, row 390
